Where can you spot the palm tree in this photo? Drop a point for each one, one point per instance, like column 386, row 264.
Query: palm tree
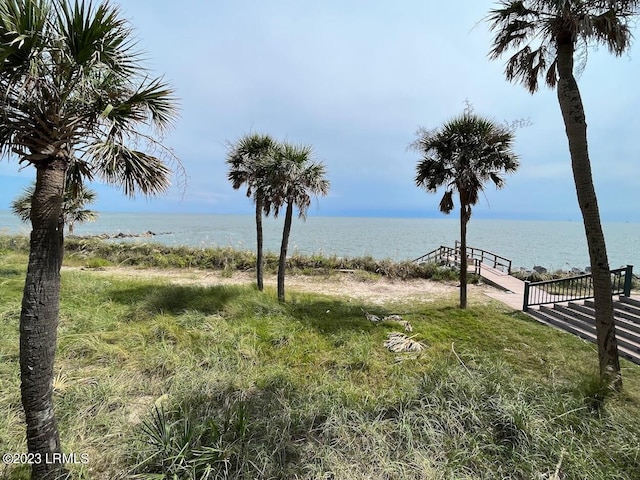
column 546, row 35
column 247, row 160
column 464, row 154
column 73, row 206
column 74, row 97
column 293, row 177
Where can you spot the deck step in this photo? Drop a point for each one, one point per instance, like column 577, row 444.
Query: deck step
column 620, row 310
column 544, row 317
column 623, row 322
column 578, row 319
column 630, row 301
column 622, row 317
column 625, row 336
column 578, row 310
column 627, row 333
column 584, row 332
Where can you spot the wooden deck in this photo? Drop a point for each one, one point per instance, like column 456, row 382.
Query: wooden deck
column 512, row 289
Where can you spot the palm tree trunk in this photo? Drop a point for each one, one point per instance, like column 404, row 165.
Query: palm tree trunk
column 463, row 256
column 576, row 128
column 283, row 250
column 259, row 241
column 39, row 319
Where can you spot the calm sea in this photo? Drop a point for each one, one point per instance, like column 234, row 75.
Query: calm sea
column 555, row 245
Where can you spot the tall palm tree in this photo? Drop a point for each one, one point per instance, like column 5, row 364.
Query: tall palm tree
column 247, row 160
column 461, row 156
column 292, row 179
column 546, row 35
column 74, row 98
column 73, row 206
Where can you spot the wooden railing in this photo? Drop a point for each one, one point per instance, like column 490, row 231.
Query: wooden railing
column 488, row 258
column 437, row 255
column 574, row 288
column 448, row 256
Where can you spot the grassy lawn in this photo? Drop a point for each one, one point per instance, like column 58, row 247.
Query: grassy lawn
column 225, row 382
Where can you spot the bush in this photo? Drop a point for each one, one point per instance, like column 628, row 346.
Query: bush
column 95, row 253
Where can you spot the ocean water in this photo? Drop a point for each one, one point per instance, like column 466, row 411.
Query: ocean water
column 554, row 245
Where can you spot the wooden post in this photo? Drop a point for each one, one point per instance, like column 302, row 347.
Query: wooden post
column 525, row 299
column 628, row 275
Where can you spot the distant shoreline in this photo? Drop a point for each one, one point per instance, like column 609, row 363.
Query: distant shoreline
column 421, row 216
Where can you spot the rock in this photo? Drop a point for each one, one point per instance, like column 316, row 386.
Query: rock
column 107, row 236
column 587, row 269
column 539, row 269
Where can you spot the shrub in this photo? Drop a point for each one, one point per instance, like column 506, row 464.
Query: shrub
column 99, row 253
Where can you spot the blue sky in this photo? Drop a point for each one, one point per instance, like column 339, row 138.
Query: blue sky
column 356, row 79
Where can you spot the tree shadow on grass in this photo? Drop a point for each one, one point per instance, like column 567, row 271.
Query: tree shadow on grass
column 176, row 299
column 6, row 272
column 329, row 315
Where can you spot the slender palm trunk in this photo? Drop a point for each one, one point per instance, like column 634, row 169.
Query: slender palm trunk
column 576, row 128
column 39, row 319
column 283, row 250
column 464, row 218
column 259, row 241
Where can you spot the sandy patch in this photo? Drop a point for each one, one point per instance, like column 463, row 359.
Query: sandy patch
column 376, row 291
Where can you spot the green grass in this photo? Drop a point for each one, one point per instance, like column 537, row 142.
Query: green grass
column 225, row 381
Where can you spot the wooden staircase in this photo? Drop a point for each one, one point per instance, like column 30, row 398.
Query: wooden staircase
column 578, row 318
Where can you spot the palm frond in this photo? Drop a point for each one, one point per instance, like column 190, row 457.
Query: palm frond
column 76, row 198
column 21, row 205
column 517, row 24
column 609, row 30
column 433, row 174
column 22, row 25
column 446, row 204
column 156, row 98
column 95, row 35
column 153, row 103
column 527, row 65
column 77, row 173
column 131, row 169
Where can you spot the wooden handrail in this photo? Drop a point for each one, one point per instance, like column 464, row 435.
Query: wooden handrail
column 435, row 255
column 447, row 254
column 486, row 257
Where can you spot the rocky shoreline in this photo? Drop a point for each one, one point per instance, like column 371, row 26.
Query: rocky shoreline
column 111, row 236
